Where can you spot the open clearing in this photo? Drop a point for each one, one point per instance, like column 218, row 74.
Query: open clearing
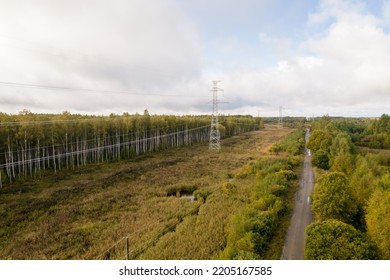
column 79, row 214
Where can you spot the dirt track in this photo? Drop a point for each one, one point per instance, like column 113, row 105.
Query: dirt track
column 294, row 244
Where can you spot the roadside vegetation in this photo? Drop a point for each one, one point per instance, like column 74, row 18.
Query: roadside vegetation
column 178, row 203
column 351, row 199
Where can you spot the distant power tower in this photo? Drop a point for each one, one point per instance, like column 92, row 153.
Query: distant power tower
column 280, row 121
column 215, row 137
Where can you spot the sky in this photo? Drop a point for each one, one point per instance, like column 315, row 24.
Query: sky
column 100, row 57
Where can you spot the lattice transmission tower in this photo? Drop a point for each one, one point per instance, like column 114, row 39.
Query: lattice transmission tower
column 215, row 137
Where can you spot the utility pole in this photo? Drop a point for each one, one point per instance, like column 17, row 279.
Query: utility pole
column 215, row 137
column 280, row 121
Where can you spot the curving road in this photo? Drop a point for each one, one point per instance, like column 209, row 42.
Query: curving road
column 294, row 243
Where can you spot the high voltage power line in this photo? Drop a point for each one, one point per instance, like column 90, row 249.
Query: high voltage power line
column 100, row 148
column 123, row 135
column 90, row 140
column 44, row 122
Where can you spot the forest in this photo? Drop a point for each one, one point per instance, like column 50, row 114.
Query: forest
column 177, row 203
column 97, row 182
column 31, row 144
column 351, row 198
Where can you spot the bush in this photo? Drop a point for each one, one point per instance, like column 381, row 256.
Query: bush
column 335, row 240
column 291, row 143
column 288, row 174
column 294, row 161
column 278, row 190
column 378, row 221
column 251, row 229
column 321, row 159
column 332, row 198
column 201, row 195
column 319, row 140
column 229, row 188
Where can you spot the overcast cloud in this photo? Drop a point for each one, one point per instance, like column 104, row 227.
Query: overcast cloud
column 324, row 57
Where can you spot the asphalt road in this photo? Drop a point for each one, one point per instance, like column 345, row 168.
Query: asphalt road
column 294, row 243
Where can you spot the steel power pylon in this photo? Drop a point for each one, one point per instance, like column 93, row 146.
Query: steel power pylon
column 215, row 137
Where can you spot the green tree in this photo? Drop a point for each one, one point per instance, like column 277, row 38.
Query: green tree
column 335, row 240
column 341, row 154
column 332, row 198
column 378, row 221
column 384, row 182
column 321, row 159
column 363, row 182
column 377, row 133
column 321, row 123
column 319, row 139
column 250, row 230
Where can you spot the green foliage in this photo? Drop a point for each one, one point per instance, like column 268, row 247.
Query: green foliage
column 287, row 175
column 278, row 190
column 321, row 159
column 342, row 144
column 341, row 153
column 321, row 123
column 335, row 240
column 332, row 198
column 264, row 167
column 251, row 229
column 343, row 163
column 363, row 181
column 384, row 182
column 294, row 161
column 202, row 194
column 362, row 200
column 377, row 134
column 68, row 140
column 229, row 188
column 319, row 140
column 292, row 122
column 292, row 143
column 78, row 214
column 378, row 221
column 181, row 189
column 229, row 124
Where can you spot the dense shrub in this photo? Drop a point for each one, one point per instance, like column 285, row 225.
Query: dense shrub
column 293, row 143
column 251, row 229
column 335, row 240
column 321, row 159
column 378, row 221
column 332, row 198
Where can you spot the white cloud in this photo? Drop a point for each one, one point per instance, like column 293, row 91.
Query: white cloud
column 116, row 45
column 279, row 44
column 150, row 46
column 357, row 55
column 346, row 72
column 386, row 9
column 331, row 9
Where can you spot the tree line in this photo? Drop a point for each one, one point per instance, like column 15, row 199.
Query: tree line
column 32, row 143
column 351, row 198
column 376, row 134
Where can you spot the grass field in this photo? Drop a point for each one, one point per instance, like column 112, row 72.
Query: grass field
column 81, row 214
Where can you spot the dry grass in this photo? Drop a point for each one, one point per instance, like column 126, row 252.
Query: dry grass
column 78, row 214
